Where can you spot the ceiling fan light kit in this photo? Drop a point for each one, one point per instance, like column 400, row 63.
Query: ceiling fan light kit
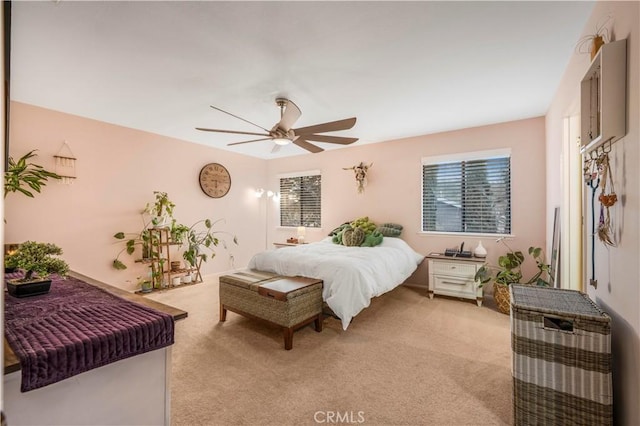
column 282, row 132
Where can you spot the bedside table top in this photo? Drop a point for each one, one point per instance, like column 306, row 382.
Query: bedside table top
column 441, row 256
column 287, row 244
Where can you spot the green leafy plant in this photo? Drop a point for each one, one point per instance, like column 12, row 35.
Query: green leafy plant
column 509, row 269
column 178, row 232
column 38, row 261
column 161, row 209
column 201, row 238
column 142, row 239
column 23, row 174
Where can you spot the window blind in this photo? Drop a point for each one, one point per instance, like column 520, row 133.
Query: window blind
column 300, row 201
column 467, row 196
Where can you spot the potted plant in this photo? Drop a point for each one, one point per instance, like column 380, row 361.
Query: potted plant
column 509, row 271
column 145, row 284
column 162, row 209
column 38, row 262
column 200, row 238
column 178, row 232
column 22, row 174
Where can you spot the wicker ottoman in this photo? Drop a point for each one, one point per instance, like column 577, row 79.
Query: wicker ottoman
column 289, row 302
column 561, row 345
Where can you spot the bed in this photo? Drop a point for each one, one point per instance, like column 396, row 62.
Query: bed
column 351, row 275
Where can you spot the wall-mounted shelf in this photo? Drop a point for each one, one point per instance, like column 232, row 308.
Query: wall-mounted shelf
column 603, row 97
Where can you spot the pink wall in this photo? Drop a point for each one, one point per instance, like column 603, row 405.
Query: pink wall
column 394, row 190
column 118, row 169
column 617, row 268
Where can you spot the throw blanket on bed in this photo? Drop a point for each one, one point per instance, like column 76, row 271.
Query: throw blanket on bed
column 351, row 275
column 76, row 327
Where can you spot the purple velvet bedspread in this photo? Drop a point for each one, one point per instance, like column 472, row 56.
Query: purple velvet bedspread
column 77, row 327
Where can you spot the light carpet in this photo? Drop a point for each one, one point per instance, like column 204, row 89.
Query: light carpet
column 405, row 360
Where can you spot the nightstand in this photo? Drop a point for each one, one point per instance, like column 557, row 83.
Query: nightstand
column 280, row 245
column 454, row 276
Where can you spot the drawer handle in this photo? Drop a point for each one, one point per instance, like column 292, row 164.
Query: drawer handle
column 454, row 282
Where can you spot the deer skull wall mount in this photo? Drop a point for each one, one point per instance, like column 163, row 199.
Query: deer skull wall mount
column 360, row 172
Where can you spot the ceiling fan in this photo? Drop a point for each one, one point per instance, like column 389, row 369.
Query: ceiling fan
column 283, row 134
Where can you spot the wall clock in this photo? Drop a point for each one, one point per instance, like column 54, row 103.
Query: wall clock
column 215, row 180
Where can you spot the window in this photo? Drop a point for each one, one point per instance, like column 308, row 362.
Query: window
column 300, row 197
column 469, row 193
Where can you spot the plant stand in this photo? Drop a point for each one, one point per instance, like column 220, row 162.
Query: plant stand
column 160, row 262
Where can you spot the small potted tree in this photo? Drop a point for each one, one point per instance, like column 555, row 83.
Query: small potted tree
column 38, row 262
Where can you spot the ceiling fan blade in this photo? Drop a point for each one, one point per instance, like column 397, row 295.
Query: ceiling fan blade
column 232, row 131
column 331, row 126
column 290, row 116
column 308, row 146
column 239, row 118
column 330, row 139
column 253, row 140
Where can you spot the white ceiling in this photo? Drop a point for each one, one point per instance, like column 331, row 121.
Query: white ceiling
column 402, row 68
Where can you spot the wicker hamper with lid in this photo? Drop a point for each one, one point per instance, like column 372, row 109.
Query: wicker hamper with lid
column 561, row 344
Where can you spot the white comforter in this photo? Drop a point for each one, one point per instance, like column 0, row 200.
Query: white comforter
column 351, row 275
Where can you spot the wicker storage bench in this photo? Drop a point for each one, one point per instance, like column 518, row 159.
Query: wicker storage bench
column 561, row 345
column 289, row 302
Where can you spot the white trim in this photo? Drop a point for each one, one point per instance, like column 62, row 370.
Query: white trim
column 299, row 174
column 289, row 228
column 467, row 156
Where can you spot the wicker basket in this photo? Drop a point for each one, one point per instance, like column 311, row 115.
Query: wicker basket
column 561, row 345
column 502, row 298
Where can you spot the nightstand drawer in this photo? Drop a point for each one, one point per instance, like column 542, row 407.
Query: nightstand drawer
column 453, row 286
column 458, row 269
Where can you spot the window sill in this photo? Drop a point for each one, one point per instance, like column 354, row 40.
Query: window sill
column 463, row 234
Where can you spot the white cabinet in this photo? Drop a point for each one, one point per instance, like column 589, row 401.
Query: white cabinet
column 603, row 97
column 454, row 277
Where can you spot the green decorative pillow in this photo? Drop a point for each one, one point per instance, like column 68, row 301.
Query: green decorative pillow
column 372, row 239
column 388, row 231
column 353, row 236
column 338, row 229
column 365, row 224
column 392, row 225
